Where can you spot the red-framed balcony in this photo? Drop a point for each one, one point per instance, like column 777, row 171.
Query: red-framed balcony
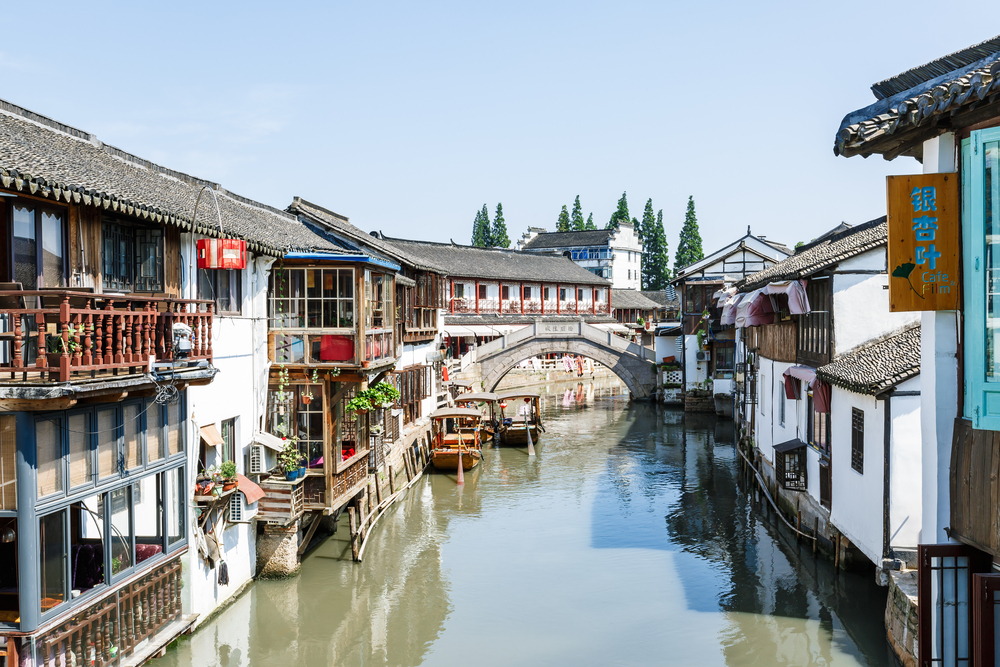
column 65, row 335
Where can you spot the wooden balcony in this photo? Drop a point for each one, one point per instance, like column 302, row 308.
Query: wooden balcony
column 284, row 502
column 66, row 335
column 124, row 627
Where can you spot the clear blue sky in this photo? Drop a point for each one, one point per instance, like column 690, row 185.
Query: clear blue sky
column 408, row 116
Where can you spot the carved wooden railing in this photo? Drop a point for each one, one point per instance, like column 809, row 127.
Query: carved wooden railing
column 346, row 480
column 100, row 333
column 110, row 628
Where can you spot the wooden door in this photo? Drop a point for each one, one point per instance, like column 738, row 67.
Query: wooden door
column 944, row 613
column 985, row 615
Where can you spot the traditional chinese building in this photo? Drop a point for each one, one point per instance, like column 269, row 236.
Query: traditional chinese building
column 614, row 254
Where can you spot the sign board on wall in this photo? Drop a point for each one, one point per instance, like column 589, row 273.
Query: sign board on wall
column 924, row 228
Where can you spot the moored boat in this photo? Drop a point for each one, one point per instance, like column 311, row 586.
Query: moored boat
column 456, row 436
column 520, row 414
column 486, row 402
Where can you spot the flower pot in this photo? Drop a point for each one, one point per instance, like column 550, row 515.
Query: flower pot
column 228, row 485
column 290, row 475
column 307, row 400
column 300, row 473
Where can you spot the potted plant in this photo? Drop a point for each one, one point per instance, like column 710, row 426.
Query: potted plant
column 55, row 346
column 384, row 394
column 307, row 397
column 359, row 404
column 288, row 459
column 228, row 472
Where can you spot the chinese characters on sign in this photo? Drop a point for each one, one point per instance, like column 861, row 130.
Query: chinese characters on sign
column 923, row 242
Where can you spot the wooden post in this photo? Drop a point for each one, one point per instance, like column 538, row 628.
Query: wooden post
column 836, row 553
column 378, row 491
column 351, row 515
column 392, row 481
column 815, row 534
column 798, row 525
column 461, row 473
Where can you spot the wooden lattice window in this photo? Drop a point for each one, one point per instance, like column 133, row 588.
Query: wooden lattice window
column 858, row 440
column 790, row 464
column 132, row 257
column 815, row 328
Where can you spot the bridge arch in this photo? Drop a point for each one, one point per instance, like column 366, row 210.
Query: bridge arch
column 630, row 362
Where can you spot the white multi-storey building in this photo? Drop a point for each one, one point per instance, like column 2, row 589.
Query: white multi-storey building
column 615, row 254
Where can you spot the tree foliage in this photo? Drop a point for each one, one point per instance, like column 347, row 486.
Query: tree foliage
column 656, row 254
column 576, row 220
column 590, row 222
column 620, row 215
column 562, row 224
column 689, row 248
column 499, row 236
column 648, row 220
column 480, row 231
column 487, row 230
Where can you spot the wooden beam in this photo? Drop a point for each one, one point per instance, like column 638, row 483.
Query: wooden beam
column 28, row 405
column 307, row 538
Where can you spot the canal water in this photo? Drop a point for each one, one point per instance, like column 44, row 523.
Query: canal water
column 625, row 541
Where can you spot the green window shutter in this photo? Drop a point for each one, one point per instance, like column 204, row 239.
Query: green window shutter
column 981, row 236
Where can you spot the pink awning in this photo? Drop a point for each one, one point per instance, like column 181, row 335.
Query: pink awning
column 798, row 302
column 252, row 492
column 807, row 374
column 728, row 316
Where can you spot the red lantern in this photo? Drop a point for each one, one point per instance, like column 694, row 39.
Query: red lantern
column 503, row 405
column 527, row 400
column 222, row 254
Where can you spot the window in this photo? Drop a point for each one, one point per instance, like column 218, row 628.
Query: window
column 562, row 293
column 790, row 465
column 546, row 291
column 815, row 328
column 579, row 294
column 505, row 292
column 781, row 404
column 224, row 287
column 229, row 439
column 132, row 257
column 81, row 458
column 48, row 443
column 39, row 243
column 858, row 440
column 482, row 292
column 52, row 559
column 819, row 428
column 725, row 358
column 312, row 298
column 8, row 463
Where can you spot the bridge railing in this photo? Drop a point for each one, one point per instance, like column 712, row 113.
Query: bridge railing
column 541, row 329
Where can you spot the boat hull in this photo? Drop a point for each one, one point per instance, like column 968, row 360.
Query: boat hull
column 519, row 436
column 447, row 460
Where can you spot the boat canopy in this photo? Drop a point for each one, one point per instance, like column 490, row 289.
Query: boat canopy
column 517, row 394
column 478, row 396
column 445, row 413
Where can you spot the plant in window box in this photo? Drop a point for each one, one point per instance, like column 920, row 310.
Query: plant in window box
column 359, row 404
column 289, row 458
column 385, row 394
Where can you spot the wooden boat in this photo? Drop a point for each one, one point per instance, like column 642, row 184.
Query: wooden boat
column 520, row 413
column 487, row 402
column 456, row 430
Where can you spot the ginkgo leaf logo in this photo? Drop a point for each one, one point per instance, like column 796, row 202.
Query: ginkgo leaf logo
column 903, row 271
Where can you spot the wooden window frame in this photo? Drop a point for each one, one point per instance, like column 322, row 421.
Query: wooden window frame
column 815, row 330
column 210, row 278
column 858, row 440
column 38, row 206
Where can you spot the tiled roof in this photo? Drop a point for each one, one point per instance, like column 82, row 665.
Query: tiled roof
column 632, row 300
column 590, row 237
column 44, row 157
column 959, row 88
column 877, row 365
column 662, row 298
column 340, row 227
column 824, row 254
column 496, row 263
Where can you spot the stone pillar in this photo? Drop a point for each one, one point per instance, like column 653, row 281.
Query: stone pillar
column 938, row 383
column 277, row 551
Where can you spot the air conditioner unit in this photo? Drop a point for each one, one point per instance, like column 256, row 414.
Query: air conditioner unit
column 239, row 510
column 703, row 355
column 257, row 465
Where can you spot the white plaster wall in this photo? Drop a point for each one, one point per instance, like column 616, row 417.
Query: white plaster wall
column 626, row 264
column 665, row 346
column 239, row 345
column 861, row 303
column 695, row 371
column 905, row 463
column 770, row 430
column 856, row 498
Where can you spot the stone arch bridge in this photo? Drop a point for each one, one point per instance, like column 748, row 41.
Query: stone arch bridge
column 629, row 361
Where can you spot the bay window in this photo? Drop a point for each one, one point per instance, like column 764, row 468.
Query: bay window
column 321, row 300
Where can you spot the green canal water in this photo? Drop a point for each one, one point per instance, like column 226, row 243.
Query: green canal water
column 625, row 541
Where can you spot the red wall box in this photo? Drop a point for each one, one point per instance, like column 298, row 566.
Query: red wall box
column 222, row 254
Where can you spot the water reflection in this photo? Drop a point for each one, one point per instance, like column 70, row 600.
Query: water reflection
column 625, row 541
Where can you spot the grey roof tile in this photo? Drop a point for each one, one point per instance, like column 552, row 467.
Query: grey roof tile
column 632, row 300
column 820, row 255
column 496, row 263
column 662, row 297
column 589, row 237
column 51, row 159
column 878, row 365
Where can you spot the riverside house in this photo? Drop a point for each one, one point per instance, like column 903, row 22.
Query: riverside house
column 946, row 115
column 614, row 254
column 708, row 347
column 124, row 370
column 490, row 292
column 829, row 398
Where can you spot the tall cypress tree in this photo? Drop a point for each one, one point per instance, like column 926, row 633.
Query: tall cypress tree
column 590, row 222
column 479, row 231
column 562, row 224
column 500, row 238
column 648, row 219
column 620, row 214
column 577, row 224
column 487, row 231
column 645, row 232
column 689, row 248
column 656, row 256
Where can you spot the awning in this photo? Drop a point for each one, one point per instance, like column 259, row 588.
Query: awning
column 729, row 309
column 789, row 446
column 820, row 389
column 798, row 302
column 252, row 492
column 211, row 436
column 612, row 326
column 269, row 441
column 404, row 281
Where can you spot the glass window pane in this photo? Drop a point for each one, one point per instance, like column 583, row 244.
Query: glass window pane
column 175, row 438
column 206, row 286
column 49, row 447
column 154, row 431
column 314, row 283
column 107, row 443
column 991, row 188
column 53, row 270
column 87, row 540
column 121, row 530
column 132, row 443
column 52, row 559
column 346, row 282
column 25, row 249
column 81, row 462
column 175, row 505
column 148, row 518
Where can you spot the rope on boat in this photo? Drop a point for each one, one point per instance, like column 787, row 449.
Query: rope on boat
column 763, row 487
